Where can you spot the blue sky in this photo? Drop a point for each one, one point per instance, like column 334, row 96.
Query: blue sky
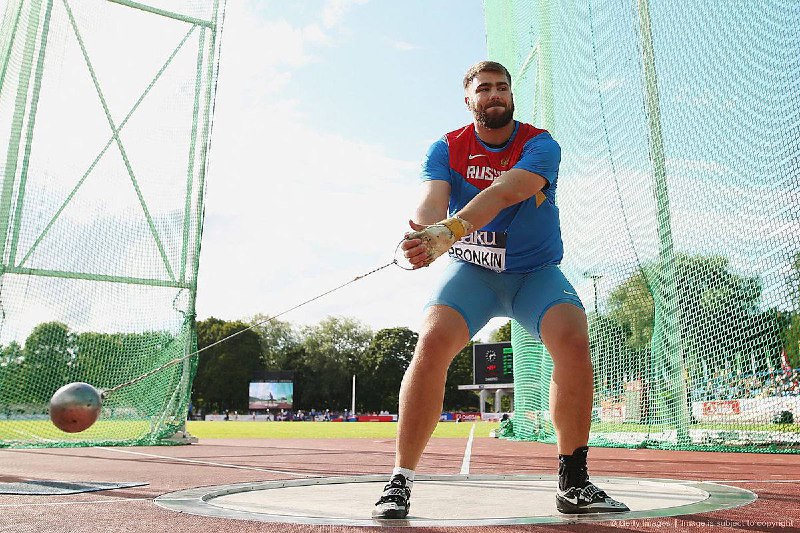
column 324, row 112
column 390, row 71
column 326, row 108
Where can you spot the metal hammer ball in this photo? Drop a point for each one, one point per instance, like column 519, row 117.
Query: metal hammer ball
column 75, row 407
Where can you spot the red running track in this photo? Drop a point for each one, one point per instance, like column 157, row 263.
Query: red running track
column 774, row 478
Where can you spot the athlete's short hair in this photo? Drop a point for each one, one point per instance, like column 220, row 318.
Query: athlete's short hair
column 491, row 66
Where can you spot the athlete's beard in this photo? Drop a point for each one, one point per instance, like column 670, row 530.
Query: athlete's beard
column 495, row 121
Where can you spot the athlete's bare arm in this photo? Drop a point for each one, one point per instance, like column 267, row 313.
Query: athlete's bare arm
column 510, row 188
column 433, row 206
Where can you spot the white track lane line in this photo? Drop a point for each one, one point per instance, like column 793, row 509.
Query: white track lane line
column 209, row 463
column 468, row 451
column 121, row 500
column 37, row 437
column 749, row 481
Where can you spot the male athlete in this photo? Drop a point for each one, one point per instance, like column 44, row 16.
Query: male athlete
column 496, row 179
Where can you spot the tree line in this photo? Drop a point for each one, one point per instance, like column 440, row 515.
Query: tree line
column 322, row 357
column 53, row 355
column 722, row 326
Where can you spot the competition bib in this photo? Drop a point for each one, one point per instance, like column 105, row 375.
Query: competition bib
column 483, row 248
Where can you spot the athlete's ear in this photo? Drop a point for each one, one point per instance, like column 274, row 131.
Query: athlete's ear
column 466, row 101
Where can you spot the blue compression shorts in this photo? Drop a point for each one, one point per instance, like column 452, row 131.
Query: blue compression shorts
column 479, row 294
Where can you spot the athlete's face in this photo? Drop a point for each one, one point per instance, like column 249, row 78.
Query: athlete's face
column 489, row 99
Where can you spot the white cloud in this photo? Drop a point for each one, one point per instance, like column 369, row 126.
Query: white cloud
column 334, row 11
column 257, row 56
column 402, row 46
column 313, row 34
column 606, row 231
column 611, row 84
column 692, row 165
column 293, row 212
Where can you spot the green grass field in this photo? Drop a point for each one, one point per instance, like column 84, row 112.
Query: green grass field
column 615, row 427
column 133, row 429
column 43, row 429
column 324, row 430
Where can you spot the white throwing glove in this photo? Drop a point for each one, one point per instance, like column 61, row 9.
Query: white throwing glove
column 438, row 238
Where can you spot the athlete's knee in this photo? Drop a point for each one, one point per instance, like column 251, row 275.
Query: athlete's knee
column 444, row 325
column 569, row 344
column 565, row 334
column 444, row 333
column 436, row 343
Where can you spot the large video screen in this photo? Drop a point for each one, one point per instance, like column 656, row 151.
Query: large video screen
column 271, row 395
column 493, row 363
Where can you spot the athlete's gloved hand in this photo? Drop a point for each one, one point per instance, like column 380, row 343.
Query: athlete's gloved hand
column 426, row 243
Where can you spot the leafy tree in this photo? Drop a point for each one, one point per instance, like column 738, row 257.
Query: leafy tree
column 385, row 363
column 460, row 373
column 717, row 311
column 766, row 337
column 335, row 350
column 791, row 334
column 130, row 353
column 11, row 359
column 717, row 305
column 631, row 306
column 295, row 361
column 97, row 351
column 503, row 333
column 278, row 340
column 795, row 280
column 48, row 361
column 225, row 370
column 11, row 355
column 791, row 340
column 612, row 357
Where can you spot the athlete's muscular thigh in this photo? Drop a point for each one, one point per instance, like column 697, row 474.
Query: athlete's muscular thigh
column 540, row 293
column 472, row 292
column 444, row 333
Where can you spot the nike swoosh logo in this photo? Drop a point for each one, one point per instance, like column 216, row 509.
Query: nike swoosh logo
column 570, row 293
column 563, row 494
column 477, row 155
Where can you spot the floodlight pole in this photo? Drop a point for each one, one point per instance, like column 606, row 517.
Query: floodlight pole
column 595, row 278
column 353, row 402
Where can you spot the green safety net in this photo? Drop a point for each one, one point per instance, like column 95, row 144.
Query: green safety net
column 679, row 196
column 105, row 121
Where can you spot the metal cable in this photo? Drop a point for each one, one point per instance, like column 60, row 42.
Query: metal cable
column 106, row 393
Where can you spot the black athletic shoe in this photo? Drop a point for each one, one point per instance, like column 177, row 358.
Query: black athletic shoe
column 587, row 499
column 395, row 500
column 576, row 494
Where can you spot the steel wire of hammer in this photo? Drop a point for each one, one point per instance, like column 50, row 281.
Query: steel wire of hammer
column 107, row 392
